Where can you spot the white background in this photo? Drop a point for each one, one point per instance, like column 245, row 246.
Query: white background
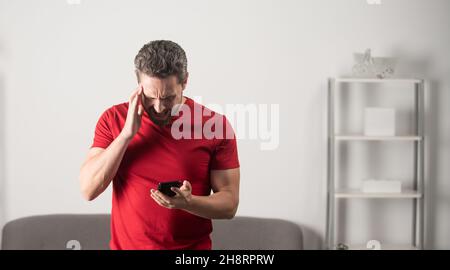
column 62, row 65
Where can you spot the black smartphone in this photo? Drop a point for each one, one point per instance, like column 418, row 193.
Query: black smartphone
column 164, row 187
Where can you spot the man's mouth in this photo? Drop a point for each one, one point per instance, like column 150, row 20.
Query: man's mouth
column 160, row 116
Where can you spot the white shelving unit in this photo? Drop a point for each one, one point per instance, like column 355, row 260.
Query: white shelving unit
column 349, row 193
column 376, row 138
column 416, row 194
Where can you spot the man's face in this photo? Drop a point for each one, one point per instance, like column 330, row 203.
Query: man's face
column 160, row 95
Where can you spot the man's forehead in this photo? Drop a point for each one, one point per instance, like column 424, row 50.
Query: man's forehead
column 159, row 86
column 170, row 80
column 162, row 92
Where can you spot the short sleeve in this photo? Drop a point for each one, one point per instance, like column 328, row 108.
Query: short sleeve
column 225, row 155
column 103, row 136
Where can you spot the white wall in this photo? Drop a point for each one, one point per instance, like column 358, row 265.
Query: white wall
column 61, row 65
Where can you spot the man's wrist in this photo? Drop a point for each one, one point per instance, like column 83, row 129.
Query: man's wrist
column 190, row 204
column 124, row 138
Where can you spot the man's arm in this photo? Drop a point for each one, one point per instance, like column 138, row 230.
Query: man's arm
column 222, row 204
column 101, row 165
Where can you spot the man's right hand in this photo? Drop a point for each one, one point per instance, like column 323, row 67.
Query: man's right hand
column 134, row 116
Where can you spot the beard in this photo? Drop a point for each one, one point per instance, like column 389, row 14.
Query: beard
column 160, row 119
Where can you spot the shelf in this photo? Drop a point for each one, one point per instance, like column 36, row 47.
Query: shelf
column 376, row 138
column 415, row 138
column 358, row 194
column 383, row 247
column 374, row 80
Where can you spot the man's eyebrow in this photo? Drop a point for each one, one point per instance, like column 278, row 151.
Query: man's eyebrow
column 164, row 97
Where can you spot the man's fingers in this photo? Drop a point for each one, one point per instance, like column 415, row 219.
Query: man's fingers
column 134, row 94
column 157, row 200
column 177, row 191
column 136, row 100
column 160, row 196
column 186, row 185
column 139, row 100
column 162, row 202
column 136, row 91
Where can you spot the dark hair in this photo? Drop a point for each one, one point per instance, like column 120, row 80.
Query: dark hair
column 162, row 58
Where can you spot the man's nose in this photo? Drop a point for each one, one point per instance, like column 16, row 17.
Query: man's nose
column 158, row 106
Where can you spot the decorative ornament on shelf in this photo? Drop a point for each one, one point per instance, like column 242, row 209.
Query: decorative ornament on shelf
column 367, row 66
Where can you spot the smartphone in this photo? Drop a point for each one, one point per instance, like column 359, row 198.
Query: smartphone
column 164, row 187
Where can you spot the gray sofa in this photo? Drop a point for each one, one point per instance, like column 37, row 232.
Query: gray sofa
column 92, row 232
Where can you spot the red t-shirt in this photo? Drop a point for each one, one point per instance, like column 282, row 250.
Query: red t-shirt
column 152, row 156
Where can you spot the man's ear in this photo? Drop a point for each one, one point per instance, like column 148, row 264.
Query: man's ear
column 184, row 83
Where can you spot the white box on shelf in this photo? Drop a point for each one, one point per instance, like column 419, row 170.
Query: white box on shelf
column 379, row 122
column 381, row 186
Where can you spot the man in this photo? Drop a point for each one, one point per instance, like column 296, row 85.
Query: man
column 134, row 147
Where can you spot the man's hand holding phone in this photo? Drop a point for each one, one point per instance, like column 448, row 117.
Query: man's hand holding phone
column 177, row 198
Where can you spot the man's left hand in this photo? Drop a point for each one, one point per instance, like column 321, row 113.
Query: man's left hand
column 179, row 201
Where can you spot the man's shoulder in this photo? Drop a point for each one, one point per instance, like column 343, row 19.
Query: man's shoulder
column 117, row 108
column 212, row 115
column 208, row 112
column 121, row 107
column 113, row 111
